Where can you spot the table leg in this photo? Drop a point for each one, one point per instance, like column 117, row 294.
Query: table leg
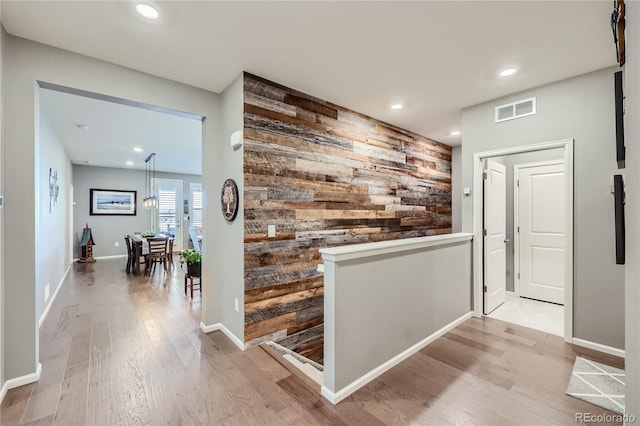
column 138, row 252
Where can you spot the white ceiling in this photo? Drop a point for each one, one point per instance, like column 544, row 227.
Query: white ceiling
column 435, row 57
column 114, row 130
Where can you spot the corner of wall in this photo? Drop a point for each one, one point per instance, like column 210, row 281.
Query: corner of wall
column 2, row 239
column 231, row 291
column 632, row 182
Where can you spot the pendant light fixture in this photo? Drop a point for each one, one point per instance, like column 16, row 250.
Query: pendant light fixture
column 150, row 201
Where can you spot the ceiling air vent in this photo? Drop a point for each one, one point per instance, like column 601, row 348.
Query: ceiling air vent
column 516, row 110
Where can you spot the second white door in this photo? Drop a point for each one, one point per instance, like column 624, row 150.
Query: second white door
column 540, row 199
column 495, row 225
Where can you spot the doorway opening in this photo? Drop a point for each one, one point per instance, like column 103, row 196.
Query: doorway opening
column 506, row 254
column 89, row 141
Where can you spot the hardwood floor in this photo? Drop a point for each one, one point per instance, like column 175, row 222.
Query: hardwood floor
column 118, row 349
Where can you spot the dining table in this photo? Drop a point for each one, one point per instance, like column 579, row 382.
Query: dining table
column 139, row 247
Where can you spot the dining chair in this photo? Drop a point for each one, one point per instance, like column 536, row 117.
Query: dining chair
column 194, row 238
column 131, row 258
column 157, row 253
column 170, row 252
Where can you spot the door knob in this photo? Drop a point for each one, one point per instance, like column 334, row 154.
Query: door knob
column 507, row 240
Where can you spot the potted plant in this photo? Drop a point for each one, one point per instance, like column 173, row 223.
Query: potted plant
column 193, row 259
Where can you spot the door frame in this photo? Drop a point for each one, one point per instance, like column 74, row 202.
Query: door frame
column 516, row 212
column 478, row 206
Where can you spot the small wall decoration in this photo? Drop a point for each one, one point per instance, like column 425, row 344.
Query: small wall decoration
column 54, row 189
column 617, row 27
column 111, row 202
column 229, row 201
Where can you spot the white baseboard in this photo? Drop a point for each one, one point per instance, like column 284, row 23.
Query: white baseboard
column 3, row 391
column 20, row 381
column 335, row 397
column 52, row 298
column 598, row 347
column 116, row 256
column 225, row 330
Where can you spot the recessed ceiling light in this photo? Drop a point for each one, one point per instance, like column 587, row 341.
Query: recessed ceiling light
column 137, row 149
column 396, row 106
column 455, row 133
column 82, row 126
column 129, row 163
column 508, row 72
column 147, row 11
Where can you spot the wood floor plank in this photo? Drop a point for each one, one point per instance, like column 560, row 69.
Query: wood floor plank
column 14, row 404
column 72, row 405
column 119, row 349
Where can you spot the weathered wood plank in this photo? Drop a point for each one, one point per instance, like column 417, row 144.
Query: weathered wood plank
column 271, row 325
column 310, row 105
column 296, row 340
column 297, row 256
column 380, row 153
column 259, row 281
column 307, row 318
column 274, row 311
column 251, row 296
column 314, row 350
column 282, row 300
column 270, row 104
column 267, row 213
column 289, row 194
column 335, row 157
column 339, row 214
column 256, row 238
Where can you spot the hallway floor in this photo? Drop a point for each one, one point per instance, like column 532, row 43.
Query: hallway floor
column 543, row 316
column 117, row 349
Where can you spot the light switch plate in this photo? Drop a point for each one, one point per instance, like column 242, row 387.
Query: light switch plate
column 271, row 231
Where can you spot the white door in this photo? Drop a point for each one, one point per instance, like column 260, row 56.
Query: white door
column 541, row 212
column 495, row 224
column 169, row 211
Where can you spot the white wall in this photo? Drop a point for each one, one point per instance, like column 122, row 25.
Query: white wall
column 52, row 223
column 456, row 189
column 232, row 166
column 26, row 63
column 107, row 230
column 581, row 108
column 632, row 213
column 2, row 156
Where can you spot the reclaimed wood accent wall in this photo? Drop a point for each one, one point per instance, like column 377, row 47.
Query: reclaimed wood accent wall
column 324, row 176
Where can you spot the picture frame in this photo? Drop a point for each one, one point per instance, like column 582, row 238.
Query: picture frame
column 112, row 202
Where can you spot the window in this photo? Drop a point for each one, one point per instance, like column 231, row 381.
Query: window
column 167, row 210
column 196, row 204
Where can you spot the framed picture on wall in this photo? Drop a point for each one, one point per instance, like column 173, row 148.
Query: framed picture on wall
column 112, row 202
